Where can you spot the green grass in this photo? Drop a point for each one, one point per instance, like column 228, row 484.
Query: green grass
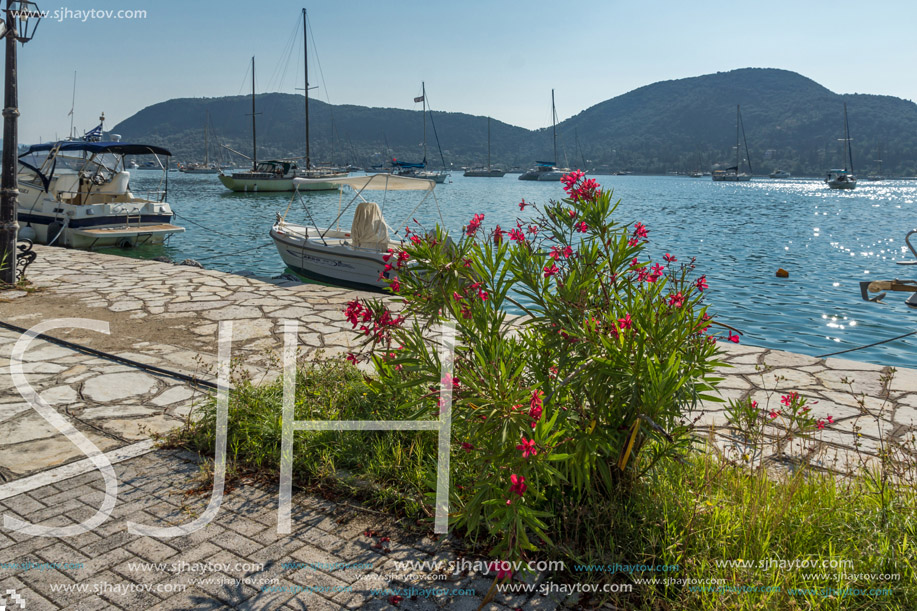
column 696, row 515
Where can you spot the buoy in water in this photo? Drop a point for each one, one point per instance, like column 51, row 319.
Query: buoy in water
column 782, row 273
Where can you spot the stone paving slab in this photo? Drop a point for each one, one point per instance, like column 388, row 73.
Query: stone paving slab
column 236, row 561
column 166, row 315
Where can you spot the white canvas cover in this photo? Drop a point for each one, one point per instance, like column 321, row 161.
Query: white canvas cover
column 369, row 229
column 373, row 182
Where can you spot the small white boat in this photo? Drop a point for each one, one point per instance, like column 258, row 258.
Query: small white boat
column 843, row 179
column 780, row 174
column 347, row 257
column 77, row 193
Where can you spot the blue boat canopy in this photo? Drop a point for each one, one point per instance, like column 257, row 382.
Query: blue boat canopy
column 546, row 164
column 118, row 148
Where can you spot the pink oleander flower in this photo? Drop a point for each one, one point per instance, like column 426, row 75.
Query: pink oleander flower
column 483, row 294
column 774, row 413
column 352, row 358
column 516, row 235
column 788, row 399
column 467, row 446
column 527, row 447
column 407, row 231
column 533, row 229
column 820, row 424
column 633, row 242
column 550, row 270
column 733, row 338
column 518, row 482
column 395, row 285
column 415, row 239
column 456, row 296
column 498, row 235
column 572, row 213
column 522, row 204
column 388, row 255
column 677, row 300
column 640, row 230
column 503, row 569
column 754, row 405
column 830, row 419
column 474, row 224
column 581, row 227
column 669, row 258
column 701, row 283
column 626, row 322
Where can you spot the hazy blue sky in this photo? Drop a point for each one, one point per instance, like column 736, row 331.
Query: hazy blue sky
column 487, row 58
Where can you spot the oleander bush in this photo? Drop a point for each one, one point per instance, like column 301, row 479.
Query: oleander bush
column 578, row 399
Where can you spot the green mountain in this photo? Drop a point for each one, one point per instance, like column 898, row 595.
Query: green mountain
column 790, row 121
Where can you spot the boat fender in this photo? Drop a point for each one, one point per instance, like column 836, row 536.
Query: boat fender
column 782, row 273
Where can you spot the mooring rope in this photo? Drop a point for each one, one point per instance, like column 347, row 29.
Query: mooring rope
column 884, row 341
column 117, row 359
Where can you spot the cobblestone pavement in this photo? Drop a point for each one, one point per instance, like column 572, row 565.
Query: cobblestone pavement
column 166, row 315
column 329, row 561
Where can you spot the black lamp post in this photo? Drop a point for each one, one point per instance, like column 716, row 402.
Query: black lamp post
column 22, row 18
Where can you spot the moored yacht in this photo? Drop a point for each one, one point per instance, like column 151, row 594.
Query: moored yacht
column 843, row 179
column 546, row 170
column 77, row 193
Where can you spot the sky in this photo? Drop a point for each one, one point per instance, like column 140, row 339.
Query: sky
column 496, row 58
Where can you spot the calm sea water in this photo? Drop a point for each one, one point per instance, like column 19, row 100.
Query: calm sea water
column 740, row 233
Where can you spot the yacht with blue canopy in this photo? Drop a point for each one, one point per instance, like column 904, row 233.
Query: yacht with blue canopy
column 77, row 193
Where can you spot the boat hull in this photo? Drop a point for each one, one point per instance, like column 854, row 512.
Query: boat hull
column 256, row 185
column 200, row 170
column 845, row 185
column 332, row 264
column 484, row 173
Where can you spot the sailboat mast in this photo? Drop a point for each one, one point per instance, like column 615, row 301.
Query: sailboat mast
column 423, row 97
column 305, row 54
column 254, row 133
column 488, row 143
column 207, row 141
column 554, row 125
column 847, row 141
column 737, row 139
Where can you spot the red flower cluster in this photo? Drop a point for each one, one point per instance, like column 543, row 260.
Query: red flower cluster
column 640, row 230
column 474, row 224
column 536, row 407
column 518, row 484
column 587, row 189
column 378, row 325
column 528, row 447
column 550, row 270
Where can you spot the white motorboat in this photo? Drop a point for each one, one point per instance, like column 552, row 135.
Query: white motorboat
column 843, row 179
column 354, row 257
column 780, row 174
column 77, row 193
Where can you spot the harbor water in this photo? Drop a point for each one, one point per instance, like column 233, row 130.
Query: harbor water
column 740, row 233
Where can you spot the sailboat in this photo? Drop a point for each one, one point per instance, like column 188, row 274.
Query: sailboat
column 487, row 172
column 206, row 167
column 843, row 179
column 278, row 174
column 732, row 174
column 547, row 170
column 418, row 170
